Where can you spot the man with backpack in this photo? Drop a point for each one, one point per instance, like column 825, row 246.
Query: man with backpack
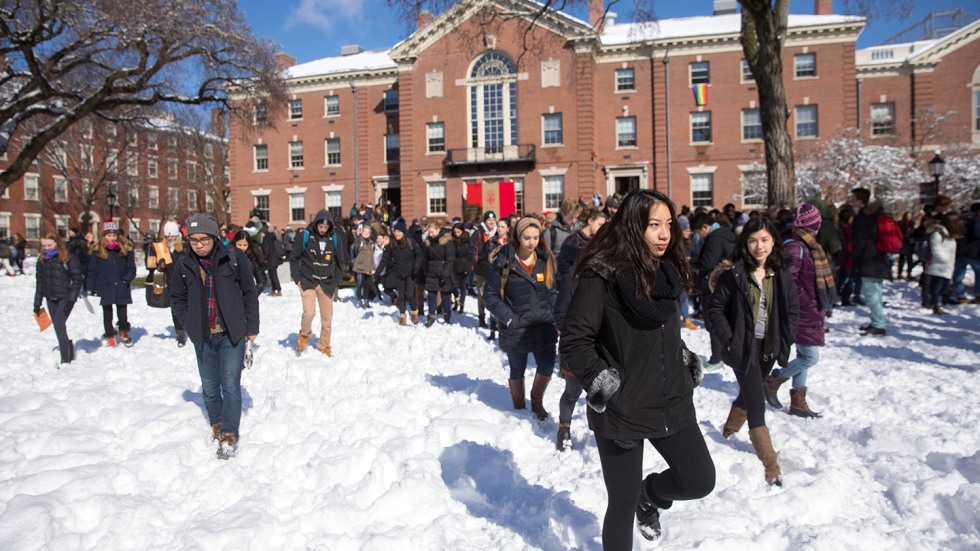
column 316, row 266
column 869, row 263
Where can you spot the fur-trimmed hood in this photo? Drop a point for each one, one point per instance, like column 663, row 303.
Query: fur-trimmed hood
column 716, row 273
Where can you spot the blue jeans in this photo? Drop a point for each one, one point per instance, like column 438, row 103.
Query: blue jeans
column 937, row 289
column 959, row 273
column 685, row 306
column 545, row 359
column 220, row 362
column 807, row 356
column 872, row 287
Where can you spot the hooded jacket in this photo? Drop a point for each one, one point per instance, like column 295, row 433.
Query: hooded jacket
column 717, row 247
column 864, row 251
column 58, row 280
column 527, row 310
column 440, row 254
column 318, row 259
column 110, row 277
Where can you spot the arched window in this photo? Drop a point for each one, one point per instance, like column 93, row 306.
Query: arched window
column 975, row 90
column 493, row 101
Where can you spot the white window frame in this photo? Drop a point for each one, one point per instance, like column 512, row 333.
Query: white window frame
column 620, row 135
column 87, row 153
column 552, row 191
column 331, row 103
column 154, row 226
column 153, row 197
column 132, row 163
column 133, row 194
column 173, row 199
column 32, row 187
column 435, row 142
column 191, row 167
column 333, row 200
column 691, row 72
column 799, row 121
column 32, row 226
column 60, row 189
column 798, row 66
column 192, row 200
column 261, row 114
column 625, row 80
column 436, row 192
column 745, row 72
column 698, row 116
column 296, row 109
column 327, row 152
column 152, row 167
column 758, row 115
column 295, row 199
column 134, row 233
column 257, row 159
column 262, row 194
column 545, row 118
column 208, row 202
column 208, row 151
column 151, row 141
column 5, row 223
column 296, row 156
column 172, row 168
column 885, row 128
column 61, row 224
column 697, row 179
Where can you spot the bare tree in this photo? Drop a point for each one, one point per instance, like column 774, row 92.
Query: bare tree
column 66, row 60
column 206, row 136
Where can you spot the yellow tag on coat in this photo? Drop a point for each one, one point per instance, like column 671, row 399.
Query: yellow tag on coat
column 327, row 257
column 540, row 278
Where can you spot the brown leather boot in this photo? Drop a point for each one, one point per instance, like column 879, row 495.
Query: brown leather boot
column 301, row 343
column 325, row 350
column 215, row 432
column 537, row 396
column 770, row 388
column 415, row 317
column 765, row 452
column 736, row 418
column 402, row 319
column 517, row 393
column 798, row 405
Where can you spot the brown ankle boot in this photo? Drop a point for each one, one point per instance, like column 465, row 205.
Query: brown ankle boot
column 736, row 418
column 765, row 452
column 537, row 396
column 301, row 343
column 402, row 319
column 798, row 405
column 770, row 388
column 415, row 317
column 517, row 393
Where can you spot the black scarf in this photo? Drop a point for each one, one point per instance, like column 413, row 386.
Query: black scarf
column 662, row 303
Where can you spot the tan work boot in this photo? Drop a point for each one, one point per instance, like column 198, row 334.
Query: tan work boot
column 736, row 418
column 402, row 319
column 325, row 350
column 301, row 343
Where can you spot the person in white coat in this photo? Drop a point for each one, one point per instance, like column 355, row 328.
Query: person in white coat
column 942, row 259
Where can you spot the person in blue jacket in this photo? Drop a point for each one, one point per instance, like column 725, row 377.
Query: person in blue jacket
column 111, row 269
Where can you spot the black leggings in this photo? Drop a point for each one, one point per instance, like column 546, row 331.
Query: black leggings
column 110, row 330
column 690, row 475
column 59, row 310
column 274, row 278
column 405, row 288
column 750, row 395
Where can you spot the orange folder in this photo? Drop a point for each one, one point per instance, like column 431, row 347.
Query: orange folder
column 43, row 320
column 163, row 252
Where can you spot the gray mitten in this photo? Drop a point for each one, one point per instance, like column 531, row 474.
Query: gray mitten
column 602, row 389
column 694, row 365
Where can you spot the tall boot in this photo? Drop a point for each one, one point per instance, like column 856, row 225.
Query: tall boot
column 537, row 396
column 770, row 387
column 736, row 418
column 517, row 393
column 798, row 405
column 764, row 451
column 66, row 353
column 181, row 337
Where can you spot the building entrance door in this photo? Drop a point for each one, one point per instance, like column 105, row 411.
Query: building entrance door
column 626, row 184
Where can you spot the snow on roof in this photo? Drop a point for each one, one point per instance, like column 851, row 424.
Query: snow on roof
column 682, row 27
column 364, row 61
column 908, row 51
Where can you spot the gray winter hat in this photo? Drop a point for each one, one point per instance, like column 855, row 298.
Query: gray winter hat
column 203, row 223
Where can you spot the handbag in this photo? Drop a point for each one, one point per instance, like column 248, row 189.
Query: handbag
column 42, row 319
column 157, row 296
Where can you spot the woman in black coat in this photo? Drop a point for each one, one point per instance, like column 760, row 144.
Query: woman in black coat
column 462, row 264
column 440, row 254
column 621, row 340
column 403, row 260
column 59, row 281
column 111, row 269
column 753, row 313
column 519, row 294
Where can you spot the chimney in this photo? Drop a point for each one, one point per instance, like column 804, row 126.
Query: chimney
column 423, row 19
column 725, row 7
column 352, row 49
column 217, row 121
column 284, row 60
column 823, row 7
column 596, row 10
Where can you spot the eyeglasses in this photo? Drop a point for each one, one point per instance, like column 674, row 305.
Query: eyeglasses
column 201, row 241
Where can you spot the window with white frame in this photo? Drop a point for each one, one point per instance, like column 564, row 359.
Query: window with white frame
column 261, row 114
column 208, row 151
column 132, row 139
column 5, row 223
column 976, row 112
column 134, row 230
column 331, row 106
column 192, row 199
column 883, row 119
column 60, row 190
column 155, row 227
column 112, row 162
column 295, row 154
column 208, row 202
column 32, row 226
column 392, row 148
column 746, row 73
column 702, row 190
column 113, row 131
column 171, row 169
column 806, row 121
column 700, row 72
column 173, row 199
column 133, row 195
column 554, row 191
column 86, row 129
column 626, row 132
column 132, row 164
column 436, row 197
column 297, row 207
column 701, row 127
column 191, row 171
column 625, row 80
column 153, row 197
column 86, row 188
column 551, row 125
column 435, row 134
column 151, row 167
column 172, row 143
column 61, row 222
column 805, row 65
column 191, row 152
column 391, row 100
column 61, row 150
column 335, row 204
column 492, row 102
column 261, row 157
column 261, row 204
column 31, row 192
column 751, row 124
column 88, row 157
column 151, row 141
column 333, row 151
column 295, row 109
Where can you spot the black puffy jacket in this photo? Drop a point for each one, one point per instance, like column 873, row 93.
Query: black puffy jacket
column 58, row 280
column 440, row 253
column 527, row 309
column 718, row 247
column 402, row 262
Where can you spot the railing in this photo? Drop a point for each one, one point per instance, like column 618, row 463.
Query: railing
column 490, row 154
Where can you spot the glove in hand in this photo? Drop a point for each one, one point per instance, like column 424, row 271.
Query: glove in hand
column 602, row 389
column 694, row 365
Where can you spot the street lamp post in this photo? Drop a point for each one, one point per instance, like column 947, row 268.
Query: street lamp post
column 353, row 88
column 936, row 167
column 110, row 199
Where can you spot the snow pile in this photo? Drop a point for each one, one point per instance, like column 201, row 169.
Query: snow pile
column 406, row 440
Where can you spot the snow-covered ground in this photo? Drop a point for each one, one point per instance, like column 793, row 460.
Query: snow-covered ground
column 406, row 440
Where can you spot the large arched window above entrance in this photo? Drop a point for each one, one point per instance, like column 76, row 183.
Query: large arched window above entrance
column 493, row 101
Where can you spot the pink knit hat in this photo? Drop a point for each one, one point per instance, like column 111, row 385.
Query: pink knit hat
column 806, row 216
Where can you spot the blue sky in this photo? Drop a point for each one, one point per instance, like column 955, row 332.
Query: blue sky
column 313, row 29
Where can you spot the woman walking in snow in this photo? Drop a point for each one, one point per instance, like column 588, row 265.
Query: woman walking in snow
column 111, row 269
column 519, row 295
column 439, row 257
column 256, row 258
column 754, row 313
column 462, row 265
column 362, row 251
column 942, row 258
column 403, row 260
column 173, row 240
column 622, row 341
column 59, row 281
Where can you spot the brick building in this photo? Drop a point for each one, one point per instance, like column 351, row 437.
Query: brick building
column 469, row 109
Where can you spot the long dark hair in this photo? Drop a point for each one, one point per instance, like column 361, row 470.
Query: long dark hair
column 619, row 243
column 777, row 258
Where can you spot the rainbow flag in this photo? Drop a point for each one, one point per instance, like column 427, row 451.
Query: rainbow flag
column 700, row 94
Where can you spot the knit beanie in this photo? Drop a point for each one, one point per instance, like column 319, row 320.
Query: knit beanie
column 684, row 223
column 399, row 225
column 806, row 216
column 171, row 229
column 525, row 223
column 489, row 214
column 110, row 226
column 203, row 223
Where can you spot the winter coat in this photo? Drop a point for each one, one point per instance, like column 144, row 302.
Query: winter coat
column 729, row 315
column 321, row 259
column 972, row 238
column 527, row 310
column 270, row 243
column 847, row 246
column 5, row 251
column 717, row 247
column 110, row 277
column 363, row 254
column 238, row 300
column 479, row 241
column 58, row 280
column 942, row 249
column 656, row 397
column 402, row 262
column 864, row 253
column 570, row 251
column 439, row 256
column 559, row 231
column 463, row 261
column 810, row 332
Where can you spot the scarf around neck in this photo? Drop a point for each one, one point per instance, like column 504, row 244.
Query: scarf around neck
column 826, row 289
column 210, row 298
column 656, row 309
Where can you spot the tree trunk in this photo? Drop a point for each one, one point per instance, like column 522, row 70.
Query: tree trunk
column 763, row 31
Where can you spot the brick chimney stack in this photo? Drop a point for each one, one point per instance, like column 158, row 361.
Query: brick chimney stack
column 823, row 7
column 284, row 60
column 424, row 19
column 596, row 11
